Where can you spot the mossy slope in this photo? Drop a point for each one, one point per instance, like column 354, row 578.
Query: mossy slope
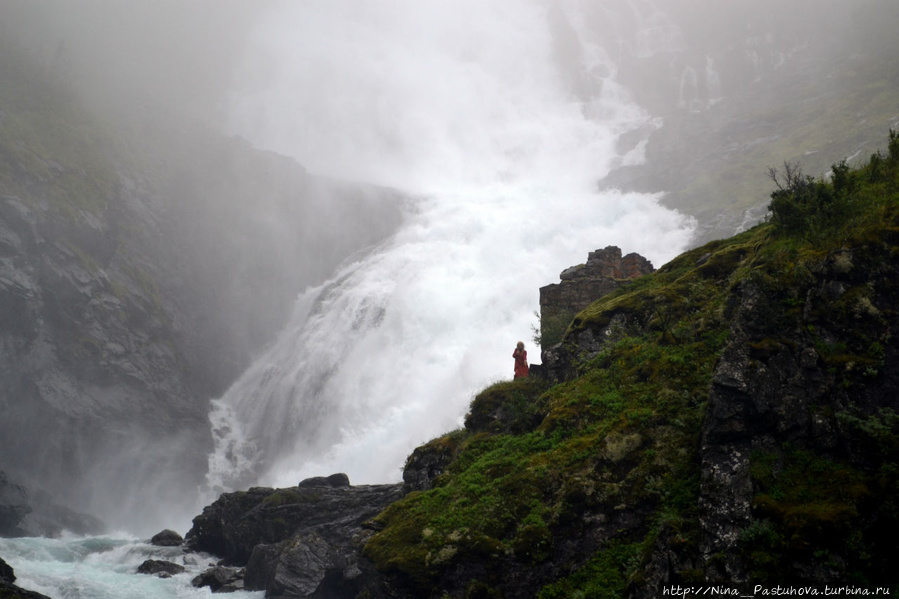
column 599, row 485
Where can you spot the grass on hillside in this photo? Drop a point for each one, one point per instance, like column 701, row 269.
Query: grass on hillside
column 535, row 460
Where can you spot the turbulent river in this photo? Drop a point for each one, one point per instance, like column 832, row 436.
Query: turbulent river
column 105, row 567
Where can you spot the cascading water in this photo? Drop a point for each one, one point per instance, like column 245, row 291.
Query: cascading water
column 462, row 105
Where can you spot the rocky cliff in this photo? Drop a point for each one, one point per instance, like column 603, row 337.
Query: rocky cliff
column 303, row 541
column 142, row 265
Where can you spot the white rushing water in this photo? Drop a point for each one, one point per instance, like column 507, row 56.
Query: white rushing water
column 498, row 119
column 102, row 568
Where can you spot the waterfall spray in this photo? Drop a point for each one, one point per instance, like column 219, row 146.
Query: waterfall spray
column 463, row 106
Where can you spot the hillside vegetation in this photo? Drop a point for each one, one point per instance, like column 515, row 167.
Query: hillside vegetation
column 731, row 418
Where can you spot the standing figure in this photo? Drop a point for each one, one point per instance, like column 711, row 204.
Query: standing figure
column 521, row 361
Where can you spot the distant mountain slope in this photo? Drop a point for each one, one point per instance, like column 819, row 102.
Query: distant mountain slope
column 142, row 265
column 742, row 86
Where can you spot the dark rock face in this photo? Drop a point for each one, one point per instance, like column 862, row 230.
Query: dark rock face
column 221, row 579
column 120, row 319
column 6, row 572
column 559, row 361
column 167, row 538
column 425, row 464
column 13, row 506
column 303, row 541
column 8, row 589
column 605, row 271
column 780, row 394
column 160, row 568
column 25, row 512
column 773, row 387
column 14, row 592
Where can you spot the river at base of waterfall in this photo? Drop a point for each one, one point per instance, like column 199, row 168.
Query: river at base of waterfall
column 103, row 567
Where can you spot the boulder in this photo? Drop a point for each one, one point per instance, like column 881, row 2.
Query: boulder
column 220, row 579
column 334, row 481
column 167, row 538
column 161, row 568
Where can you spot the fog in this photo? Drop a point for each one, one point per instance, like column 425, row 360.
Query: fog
column 135, row 54
column 503, row 123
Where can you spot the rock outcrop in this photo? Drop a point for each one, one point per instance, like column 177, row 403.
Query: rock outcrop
column 604, row 271
column 808, row 394
column 303, row 541
column 160, row 568
column 10, row 590
column 167, row 538
column 221, row 579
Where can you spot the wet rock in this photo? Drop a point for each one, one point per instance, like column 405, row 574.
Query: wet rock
column 167, row 538
column 299, row 541
column 161, row 568
column 221, row 579
column 6, row 572
column 8, row 589
column 425, row 464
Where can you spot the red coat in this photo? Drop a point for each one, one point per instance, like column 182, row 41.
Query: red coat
column 521, row 363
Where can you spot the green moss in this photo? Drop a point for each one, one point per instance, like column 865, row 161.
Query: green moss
column 605, row 575
column 285, row 497
column 806, row 506
column 512, row 406
column 533, row 464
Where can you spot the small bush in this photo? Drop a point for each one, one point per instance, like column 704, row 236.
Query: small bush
column 818, row 210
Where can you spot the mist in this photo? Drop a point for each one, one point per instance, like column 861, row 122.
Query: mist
column 129, row 57
column 465, row 107
column 512, row 137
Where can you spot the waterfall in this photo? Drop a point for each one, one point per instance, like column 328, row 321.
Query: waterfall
column 713, row 82
column 460, row 104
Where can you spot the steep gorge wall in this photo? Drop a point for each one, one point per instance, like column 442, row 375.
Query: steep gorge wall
column 141, row 270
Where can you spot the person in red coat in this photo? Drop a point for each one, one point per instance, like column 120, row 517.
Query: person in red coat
column 521, row 361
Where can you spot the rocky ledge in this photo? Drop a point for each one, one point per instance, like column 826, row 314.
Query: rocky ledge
column 302, row 541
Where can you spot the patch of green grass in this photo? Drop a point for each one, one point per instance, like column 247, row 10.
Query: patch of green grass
column 604, row 576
